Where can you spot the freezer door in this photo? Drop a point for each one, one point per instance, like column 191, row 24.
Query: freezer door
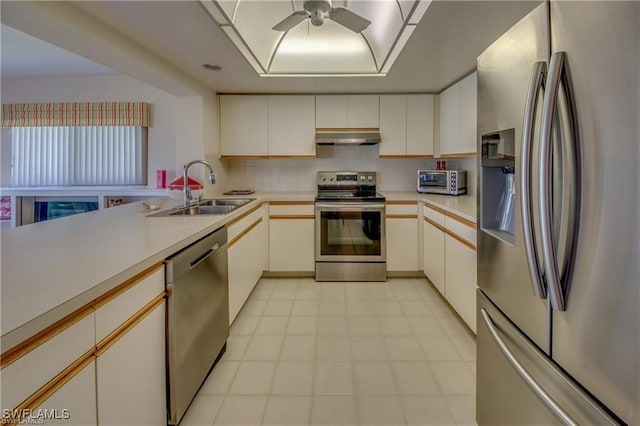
column 596, row 339
column 504, row 73
column 517, row 384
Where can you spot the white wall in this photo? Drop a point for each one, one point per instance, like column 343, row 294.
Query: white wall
column 178, row 131
column 300, row 174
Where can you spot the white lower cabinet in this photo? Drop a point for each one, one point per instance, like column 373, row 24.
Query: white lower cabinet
column 461, row 276
column 130, row 375
column 291, row 237
column 402, row 236
column 450, row 260
column 74, row 403
column 246, row 257
column 433, row 254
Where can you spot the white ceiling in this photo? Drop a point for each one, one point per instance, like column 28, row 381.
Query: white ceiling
column 441, row 50
column 23, row 55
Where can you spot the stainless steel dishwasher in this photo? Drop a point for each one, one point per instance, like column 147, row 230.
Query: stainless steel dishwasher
column 197, row 317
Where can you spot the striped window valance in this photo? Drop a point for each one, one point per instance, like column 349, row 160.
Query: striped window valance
column 76, row 114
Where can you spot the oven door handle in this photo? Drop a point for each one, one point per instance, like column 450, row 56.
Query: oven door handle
column 350, row 206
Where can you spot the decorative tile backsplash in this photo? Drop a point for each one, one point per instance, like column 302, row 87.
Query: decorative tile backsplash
column 300, row 174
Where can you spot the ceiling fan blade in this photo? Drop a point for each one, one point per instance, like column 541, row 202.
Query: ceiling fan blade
column 348, row 19
column 291, row 21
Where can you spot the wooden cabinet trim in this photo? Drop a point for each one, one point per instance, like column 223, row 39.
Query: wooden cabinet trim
column 347, row 129
column 290, row 203
column 20, row 350
column 402, row 216
column 244, row 232
column 437, row 225
column 406, row 156
column 460, row 219
column 113, row 293
column 124, row 328
column 242, row 216
column 459, row 238
column 459, row 155
column 403, row 203
column 51, row 387
column 292, row 216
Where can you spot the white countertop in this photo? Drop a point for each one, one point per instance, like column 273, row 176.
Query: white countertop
column 461, row 205
column 49, row 269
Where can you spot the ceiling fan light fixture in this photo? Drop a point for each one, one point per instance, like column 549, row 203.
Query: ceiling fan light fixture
column 317, row 17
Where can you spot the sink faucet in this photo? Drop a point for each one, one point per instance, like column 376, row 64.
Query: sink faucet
column 185, row 179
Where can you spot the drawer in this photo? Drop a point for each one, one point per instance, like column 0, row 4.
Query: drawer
column 293, row 209
column 434, row 215
column 462, row 230
column 402, row 209
column 240, row 224
column 21, row 378
column 110, row 314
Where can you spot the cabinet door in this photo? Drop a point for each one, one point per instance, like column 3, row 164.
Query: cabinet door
column 292, row 126
column 419, row 124
column 243, row 125
column 131, row 375
column 461, row 276
column 75, row 402
column 468, row 114
column 291, row 245
column 363, row 111
column 433, row 255
column 393, row 125
column 450, row 120
column 246, row 260
column 331, row 111
column 402, row 244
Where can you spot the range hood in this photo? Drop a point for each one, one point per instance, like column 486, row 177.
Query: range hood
column 348, row 137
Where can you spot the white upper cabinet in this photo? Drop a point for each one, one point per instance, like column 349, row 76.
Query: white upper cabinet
column 458, row 120
column 342, row 111
column 420, row 125
column 406, row 125
column 363, row 111
column 291, row 126
column 393, row 125
column 244, row 125
column 469, row 113
column 331, row 111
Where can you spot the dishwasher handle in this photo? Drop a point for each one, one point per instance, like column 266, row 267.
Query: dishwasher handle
column 190, row 257
column 204, row 256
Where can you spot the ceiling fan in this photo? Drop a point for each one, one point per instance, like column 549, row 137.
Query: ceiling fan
column 318, row 10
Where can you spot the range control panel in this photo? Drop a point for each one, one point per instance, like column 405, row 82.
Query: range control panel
column 345, row 178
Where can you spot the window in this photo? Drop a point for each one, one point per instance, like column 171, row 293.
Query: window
column 79, row 155
column 78, row 143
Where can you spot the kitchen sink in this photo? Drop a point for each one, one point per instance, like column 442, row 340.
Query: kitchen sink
column 237, row 202
column 218, row 206
column 199, row 209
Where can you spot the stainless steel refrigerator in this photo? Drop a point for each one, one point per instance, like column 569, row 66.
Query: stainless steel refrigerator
column 558, row 240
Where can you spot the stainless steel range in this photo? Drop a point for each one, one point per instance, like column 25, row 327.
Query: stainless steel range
column 350, row 228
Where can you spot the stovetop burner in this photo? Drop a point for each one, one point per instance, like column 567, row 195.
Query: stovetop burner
column 347, row 187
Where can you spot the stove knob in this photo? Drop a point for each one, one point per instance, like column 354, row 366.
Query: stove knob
column 331, row 178
column 369, row 178
column 324, row 178
column 361, row 177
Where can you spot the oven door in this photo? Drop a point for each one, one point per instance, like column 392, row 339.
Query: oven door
column 350, row 232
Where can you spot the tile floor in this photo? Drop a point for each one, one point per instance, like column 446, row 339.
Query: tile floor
column 303, row 353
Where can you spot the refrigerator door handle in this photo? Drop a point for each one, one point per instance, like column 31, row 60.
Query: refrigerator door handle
column 524, row 374
column 536, row 83
column 558, row 73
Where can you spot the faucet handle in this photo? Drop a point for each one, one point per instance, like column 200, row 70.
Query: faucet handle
column 198, row 198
